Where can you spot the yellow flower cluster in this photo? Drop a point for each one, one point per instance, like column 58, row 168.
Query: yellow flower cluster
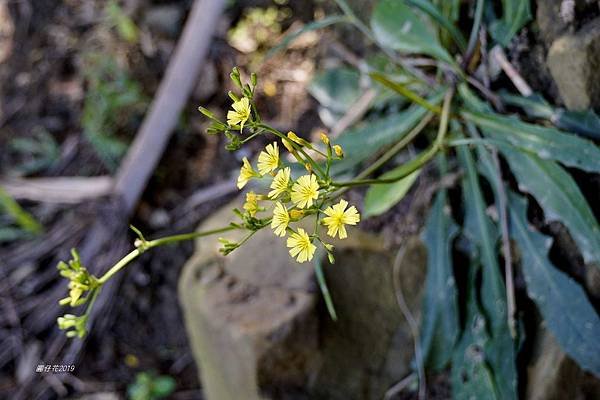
column 293, row 199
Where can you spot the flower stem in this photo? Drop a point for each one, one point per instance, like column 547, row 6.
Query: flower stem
column 155, row 243
column 415, row 163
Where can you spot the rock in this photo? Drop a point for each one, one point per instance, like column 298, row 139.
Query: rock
column 552, row 375
column 164, row 19
column 260, row 330
column 249, row 316
column 557, row 17
column 574, row 62
column 369, row 348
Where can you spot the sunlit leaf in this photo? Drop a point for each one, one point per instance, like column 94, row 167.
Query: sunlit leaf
column 380, row 198
column 396, row 26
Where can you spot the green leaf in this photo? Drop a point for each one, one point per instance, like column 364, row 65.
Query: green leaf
column 478, row 227
column 163, row 386
column 564, row 305
column 535, row 106
column 585, row 123
column 397, row 27
column 366, row 139
column 20, row 216
column 380, row 198
column 432, row 10
column 313, row 26
column 515, row 14
column 336, row 88
column 547, row 143
column 9, row 234
column 472, row 377
column 559, row 196
column 439, row 328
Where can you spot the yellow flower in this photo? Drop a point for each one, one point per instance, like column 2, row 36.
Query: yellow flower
column 251, row 204
column 305, row 190
column 268, row 161
column 301, row 246
column 240, row 113
column 324, row 138
column 338, row 217
column 280, row 220
column 338, row 151
column 246, row 173
column 280, row 183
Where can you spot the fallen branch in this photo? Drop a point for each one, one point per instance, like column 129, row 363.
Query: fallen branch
column 498, row 54
column 69, row 190
column 173, row 92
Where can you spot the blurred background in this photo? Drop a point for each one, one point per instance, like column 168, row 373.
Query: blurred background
column 99, row 129
column 77, row 77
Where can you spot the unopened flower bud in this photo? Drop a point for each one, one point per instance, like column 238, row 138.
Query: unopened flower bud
column 338, row 151
column 296, row 214
column 288, row 145
column 324, row 138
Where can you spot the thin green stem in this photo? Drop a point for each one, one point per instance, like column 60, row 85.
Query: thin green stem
column 405, row 91
column 474, row 33
column 361, row 26
column 418, row 162
column 155, row 243
column 402, row 143
column 296, row 147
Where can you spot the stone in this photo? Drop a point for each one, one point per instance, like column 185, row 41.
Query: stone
column 574, row 62
column 552, row 375
column 259, row 328
column 557, row 17
column 249, row 316
column 371, row 338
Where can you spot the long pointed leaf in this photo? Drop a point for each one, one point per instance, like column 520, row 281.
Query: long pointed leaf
column 480, row 230
column 439, row 328
column 559, row 196
column 472, row 377
column 562, row 302
column 547, row 143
